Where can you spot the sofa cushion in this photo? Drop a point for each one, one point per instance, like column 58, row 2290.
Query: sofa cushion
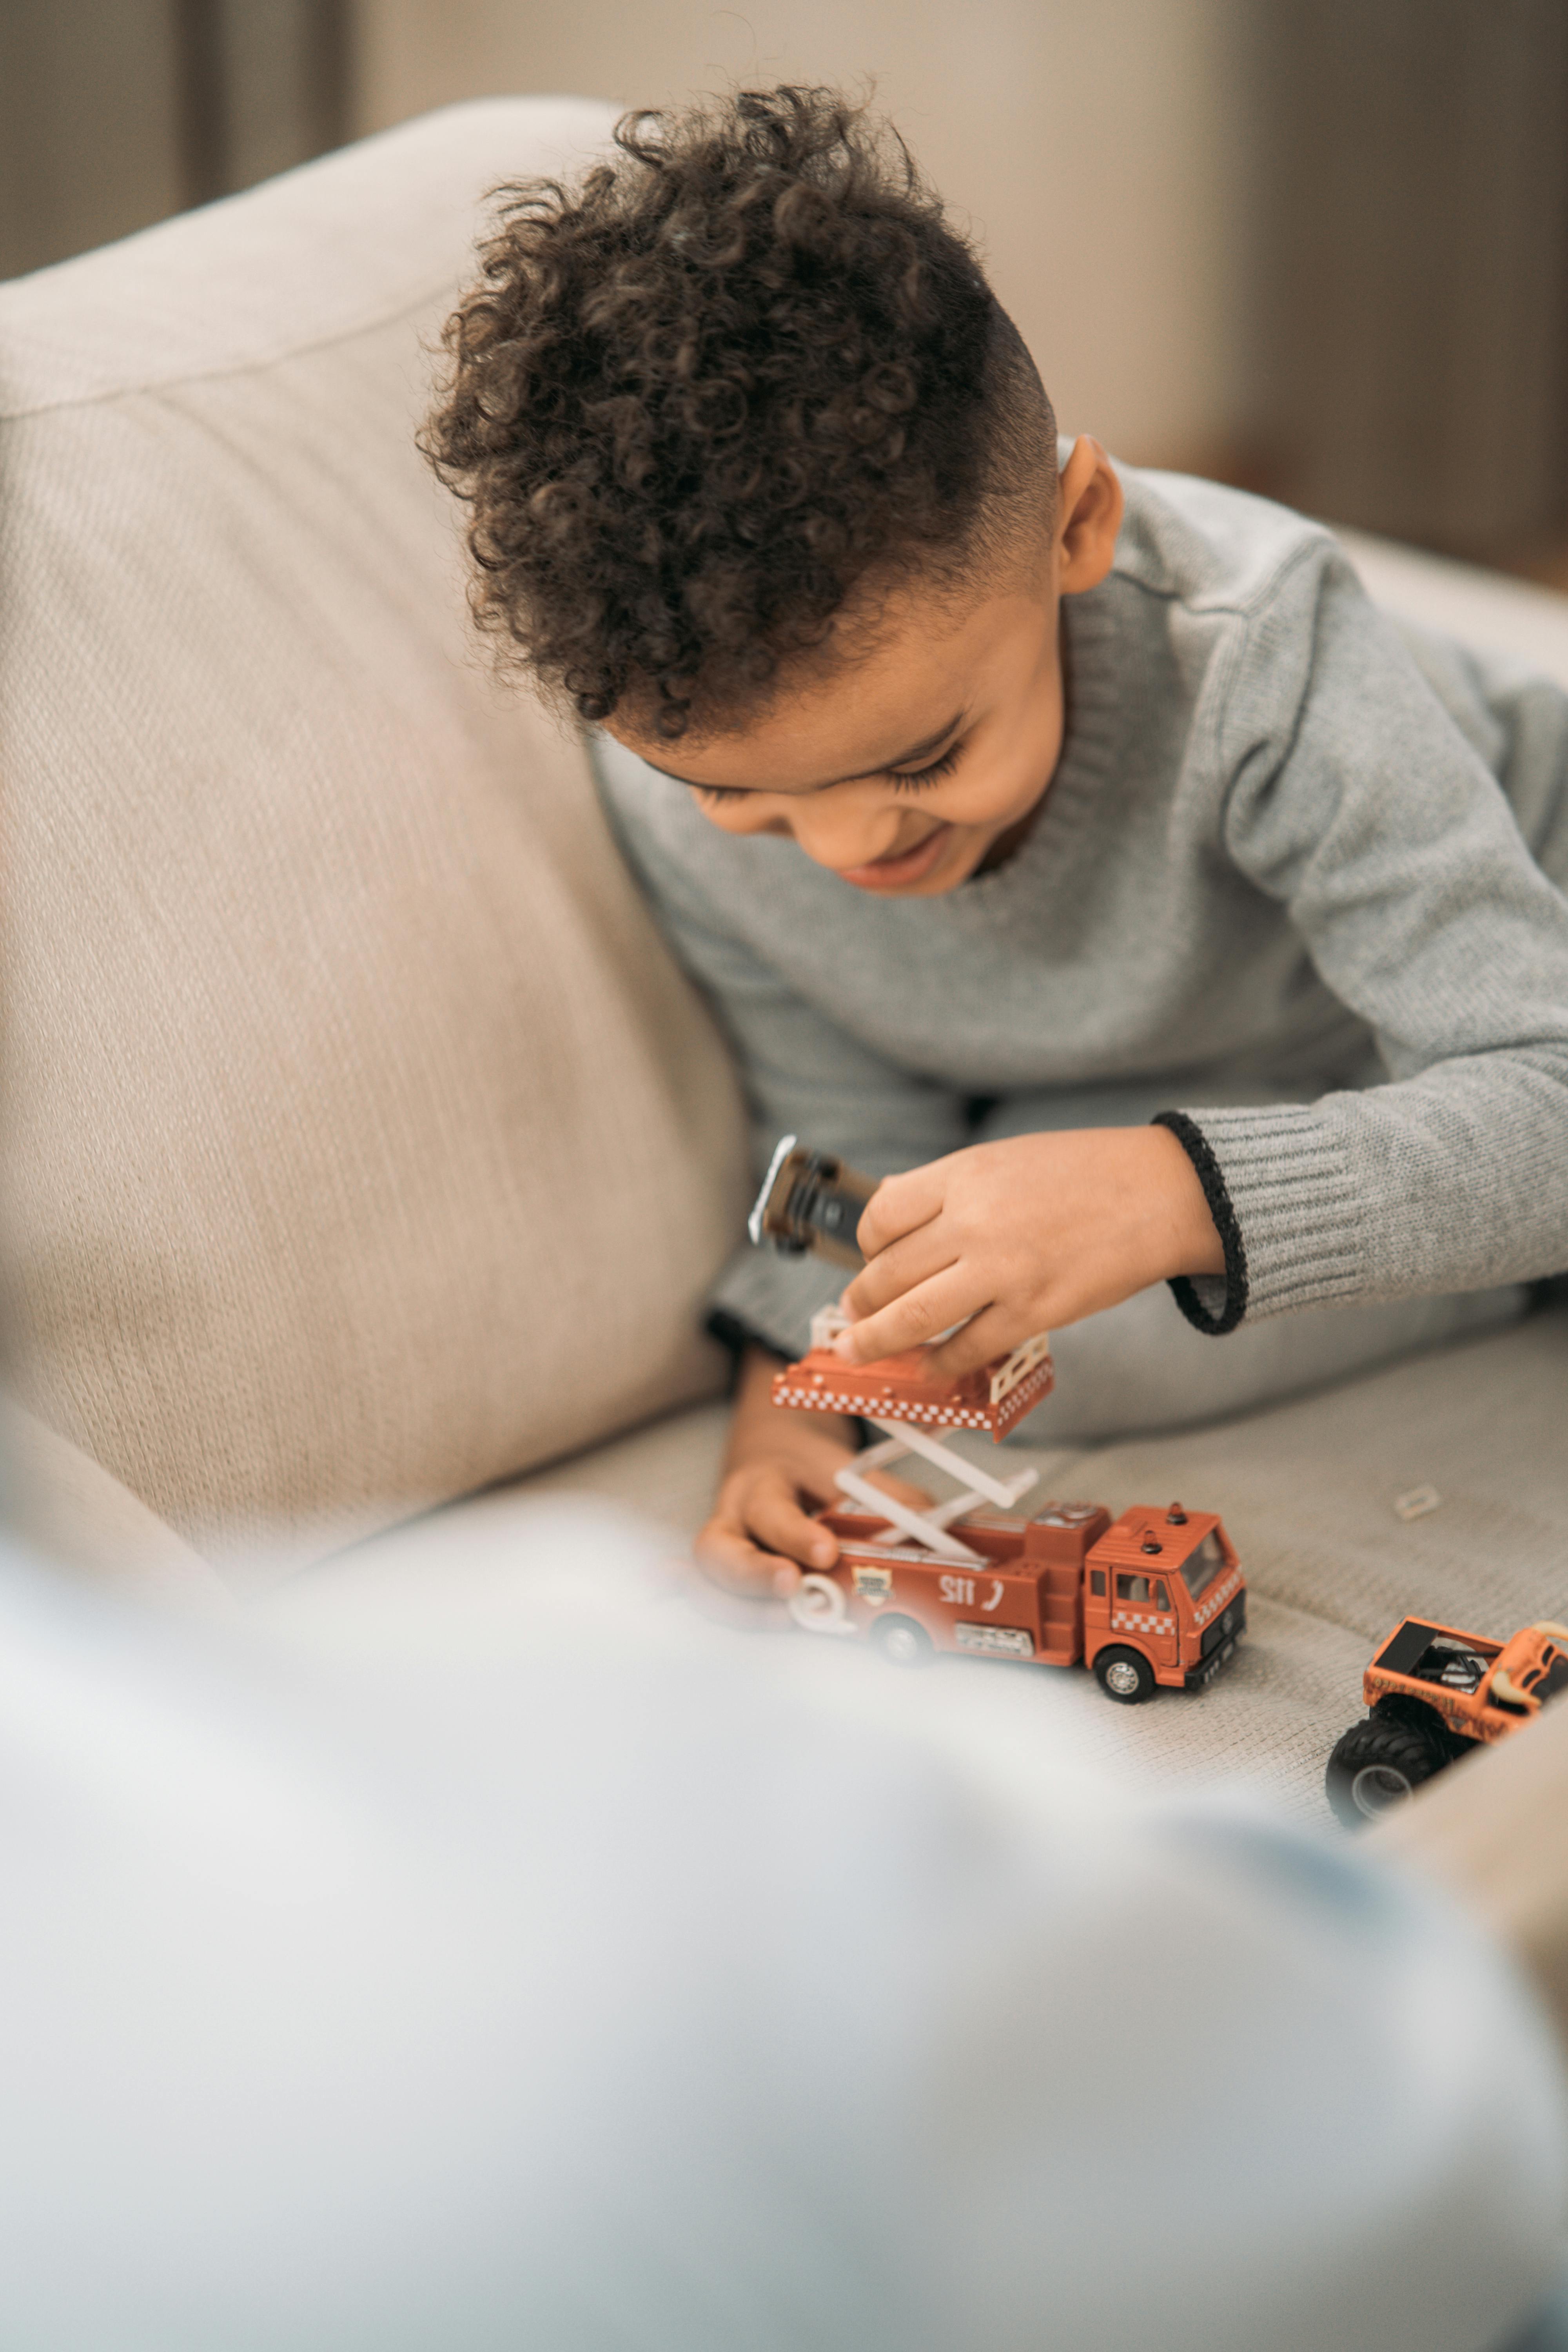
column 364, row 1144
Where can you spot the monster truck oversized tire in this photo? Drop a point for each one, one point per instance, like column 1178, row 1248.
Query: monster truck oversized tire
column 1379, row 1764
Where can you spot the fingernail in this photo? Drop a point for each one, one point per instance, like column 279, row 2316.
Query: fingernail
column 844, row 1346
column 822, row 1551
column 784, row 1581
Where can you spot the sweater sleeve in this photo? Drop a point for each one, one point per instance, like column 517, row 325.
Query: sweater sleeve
column 1353, row 798
column 802, row 1073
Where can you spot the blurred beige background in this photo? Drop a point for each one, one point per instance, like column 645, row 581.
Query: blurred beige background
column 1316, row 247
column 1097, row 150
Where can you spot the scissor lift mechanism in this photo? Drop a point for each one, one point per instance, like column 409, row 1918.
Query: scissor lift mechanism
column 932, row 1527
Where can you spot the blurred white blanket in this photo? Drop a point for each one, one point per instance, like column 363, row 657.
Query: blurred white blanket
column 524, row 1961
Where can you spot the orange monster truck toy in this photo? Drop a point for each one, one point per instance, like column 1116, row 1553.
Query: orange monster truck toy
column 1154, row 1597
column 1433, row 1694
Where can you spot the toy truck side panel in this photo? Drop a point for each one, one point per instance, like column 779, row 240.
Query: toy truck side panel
column 1025, row 1599
column 977, row 1611
column 1059, row 1538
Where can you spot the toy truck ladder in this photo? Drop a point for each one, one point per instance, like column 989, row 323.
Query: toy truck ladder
column 931, row 1528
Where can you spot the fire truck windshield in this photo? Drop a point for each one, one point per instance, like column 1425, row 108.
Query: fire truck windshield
column 1203, row 1564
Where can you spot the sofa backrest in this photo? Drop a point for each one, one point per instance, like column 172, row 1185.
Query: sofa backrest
column 363, row 1143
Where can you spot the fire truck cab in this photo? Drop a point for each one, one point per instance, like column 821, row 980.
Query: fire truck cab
column 1166, row 1586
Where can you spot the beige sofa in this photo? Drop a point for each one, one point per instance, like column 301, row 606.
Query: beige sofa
column 364, row 1149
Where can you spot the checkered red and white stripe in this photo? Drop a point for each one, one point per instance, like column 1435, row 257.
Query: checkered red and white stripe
column 1217, row 1600
column 822, row 1393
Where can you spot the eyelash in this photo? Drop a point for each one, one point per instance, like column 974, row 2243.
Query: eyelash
column 920, row 777
column 916, row 780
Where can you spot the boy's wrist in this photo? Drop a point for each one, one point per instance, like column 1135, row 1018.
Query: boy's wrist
column 1197, row 1245
column 1221, row 1253
column 805, row 1453
column 761, row 1431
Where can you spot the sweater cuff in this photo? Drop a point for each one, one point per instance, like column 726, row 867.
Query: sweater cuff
column 1284, row 1204
column 1211, row 1302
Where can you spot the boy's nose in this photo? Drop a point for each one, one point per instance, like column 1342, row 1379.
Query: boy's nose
column 844, row 838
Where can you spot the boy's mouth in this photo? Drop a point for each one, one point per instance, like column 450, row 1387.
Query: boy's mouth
column 897, row 872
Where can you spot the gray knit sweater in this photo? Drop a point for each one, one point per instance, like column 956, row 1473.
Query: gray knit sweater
column 1287, row 880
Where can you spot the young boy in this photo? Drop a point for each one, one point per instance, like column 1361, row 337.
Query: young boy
column 1079, row 849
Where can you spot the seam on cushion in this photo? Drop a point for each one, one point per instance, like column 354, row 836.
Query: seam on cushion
column 1312, row 1616
column 256, row 366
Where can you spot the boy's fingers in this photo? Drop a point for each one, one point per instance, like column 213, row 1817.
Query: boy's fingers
column 726, row 1554
column 899, row 1205
column 780, row 1524
column 912, row 1319
column 898, row 1268
column 991, row 1333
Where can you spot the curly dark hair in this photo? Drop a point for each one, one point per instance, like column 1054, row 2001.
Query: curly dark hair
column 744, row 368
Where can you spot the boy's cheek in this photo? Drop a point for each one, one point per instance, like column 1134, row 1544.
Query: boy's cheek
column 739, row 823
column 721, row 818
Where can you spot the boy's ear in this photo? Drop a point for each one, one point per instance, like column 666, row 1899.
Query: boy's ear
column 1088, row 512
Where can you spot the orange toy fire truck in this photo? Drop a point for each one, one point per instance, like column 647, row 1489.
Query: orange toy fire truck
column 1433, row 1693
column 1157, row 1596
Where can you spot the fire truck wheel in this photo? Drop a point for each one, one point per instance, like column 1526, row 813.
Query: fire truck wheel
column 1124, row 1675
column 902, row 1641
column 1379, row 1764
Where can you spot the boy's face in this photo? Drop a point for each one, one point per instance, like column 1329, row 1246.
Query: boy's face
column 903, row 773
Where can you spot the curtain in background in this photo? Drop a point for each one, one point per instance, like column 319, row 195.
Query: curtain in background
column 1413, row 284
column 116, row 112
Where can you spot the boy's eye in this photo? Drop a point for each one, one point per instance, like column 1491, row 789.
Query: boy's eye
column 902, row 779
column 912, row 779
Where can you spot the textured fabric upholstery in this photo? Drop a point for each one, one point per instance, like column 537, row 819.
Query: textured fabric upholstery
column 363, row 1143
column 1307, row 1491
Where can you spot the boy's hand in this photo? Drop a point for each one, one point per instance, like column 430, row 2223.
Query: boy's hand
column 762, row 1536
column 780, row 1465
column 1024, row 1235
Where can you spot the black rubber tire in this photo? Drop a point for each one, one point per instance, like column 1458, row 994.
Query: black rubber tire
column 1399, row 1706
column 903, row 1641
column 1118, row 1664
column 1380, row 1763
